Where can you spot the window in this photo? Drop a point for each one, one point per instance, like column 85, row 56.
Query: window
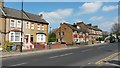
column 58, row 33
column 19, row 24
column 32, row 26
column 80, row 33
column 27, row 25
column 62, row 33
column 12, row 37
column 62, row 39
column 38, row 27
column 87, row 34
column 42, row 27
column 12, row 23
column 15, row 36
column 40, row 38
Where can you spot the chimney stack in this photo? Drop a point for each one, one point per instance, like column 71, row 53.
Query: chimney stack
column 1, row 3
column 41, row 16
column 96, row 26
column 90, row 24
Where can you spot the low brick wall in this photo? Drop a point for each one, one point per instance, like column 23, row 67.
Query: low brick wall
column 58, row 46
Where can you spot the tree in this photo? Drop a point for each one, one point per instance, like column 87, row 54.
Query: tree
column 52, row 37
column 116, row 29
column 105, row 33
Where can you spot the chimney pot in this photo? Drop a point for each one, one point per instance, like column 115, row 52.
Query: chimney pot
column 41, row 16
column 90, row 24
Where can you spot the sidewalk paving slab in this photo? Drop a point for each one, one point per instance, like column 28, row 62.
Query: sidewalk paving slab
column 115, row 61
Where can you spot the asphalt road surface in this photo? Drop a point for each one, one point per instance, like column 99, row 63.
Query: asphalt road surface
column 82, row 56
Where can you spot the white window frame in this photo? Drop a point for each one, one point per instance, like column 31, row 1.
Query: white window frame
column 19, row 24
column 42, row 27
column 39, row 38
column 14, row 37
column 27, row 25
column 38, row 27
column 13, row 23
column 32, row 26
column 10, row 36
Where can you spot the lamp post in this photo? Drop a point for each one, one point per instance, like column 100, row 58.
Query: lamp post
column 50, row 30
column 21, row 26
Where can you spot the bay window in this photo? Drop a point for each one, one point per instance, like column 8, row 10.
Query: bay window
column 12, row 37
column 40, row 38
column 15, row 37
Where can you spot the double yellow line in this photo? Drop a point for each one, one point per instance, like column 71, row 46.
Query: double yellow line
column 107, row 58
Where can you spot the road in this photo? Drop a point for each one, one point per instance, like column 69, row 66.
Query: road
column 81, row 56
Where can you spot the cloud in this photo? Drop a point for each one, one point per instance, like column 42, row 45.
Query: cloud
column 57, row 16
column 107, row 25
column 94, row 18
column 90, row 7
column 109, row 8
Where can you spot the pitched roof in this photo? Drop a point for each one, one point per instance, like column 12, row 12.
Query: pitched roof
column 18, row 14
column 73, row 27
column 14, row 13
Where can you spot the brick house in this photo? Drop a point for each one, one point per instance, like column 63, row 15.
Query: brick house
column 70, row 34
column 14, row 22
column 78, row 33
column 93, row 31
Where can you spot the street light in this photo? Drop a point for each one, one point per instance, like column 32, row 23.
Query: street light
column 50, row 30
column 21, row 26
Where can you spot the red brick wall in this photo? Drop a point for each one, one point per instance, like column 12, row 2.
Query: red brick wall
column 58, row 46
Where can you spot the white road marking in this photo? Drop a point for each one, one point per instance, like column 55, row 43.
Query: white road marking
column 54, row 56
column 89, row 63
column 66, row 54
column 18, row 64
column 61, row 55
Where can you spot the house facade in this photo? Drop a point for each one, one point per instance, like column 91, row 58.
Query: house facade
column 71, row 34
column 78, row 33
column 16, row 25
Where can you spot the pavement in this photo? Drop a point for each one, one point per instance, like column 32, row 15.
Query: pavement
column 80, row 56
column 10, row 54
column 114, row 61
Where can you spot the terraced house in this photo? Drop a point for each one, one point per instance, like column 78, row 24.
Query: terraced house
column 79, row 32
column 14, row 22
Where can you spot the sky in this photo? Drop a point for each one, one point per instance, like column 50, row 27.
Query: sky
column 102, row 14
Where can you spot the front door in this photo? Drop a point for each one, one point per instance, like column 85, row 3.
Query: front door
column 31, row 38
column 27, row 38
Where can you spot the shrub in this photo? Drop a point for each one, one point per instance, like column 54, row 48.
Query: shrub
column 101, row 38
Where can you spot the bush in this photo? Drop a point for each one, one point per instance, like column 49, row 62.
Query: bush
column 101, row 38
column 7, row 43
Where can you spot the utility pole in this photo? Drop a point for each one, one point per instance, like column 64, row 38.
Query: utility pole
column 50, row 30
column 21, row 27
